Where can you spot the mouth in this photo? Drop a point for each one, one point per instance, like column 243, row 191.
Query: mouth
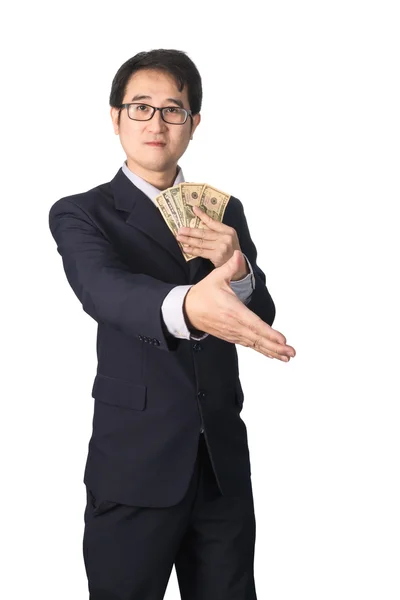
column 156, row 144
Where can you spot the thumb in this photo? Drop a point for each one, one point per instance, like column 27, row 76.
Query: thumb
column 228, row 269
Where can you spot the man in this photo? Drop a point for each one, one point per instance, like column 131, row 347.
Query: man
column 168, row 472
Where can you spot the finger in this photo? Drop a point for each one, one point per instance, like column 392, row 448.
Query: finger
column 265, row 353
column 205, row 218
column 190, row 233
column 235, row 332
column 276, row 350
column 281, row 352
column 197, row 240
column 282, row 355
column 257, row 344
column 260, row 336
column 197, row 251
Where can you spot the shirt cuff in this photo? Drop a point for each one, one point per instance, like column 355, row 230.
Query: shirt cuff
column 244, row 288
column 173, row 315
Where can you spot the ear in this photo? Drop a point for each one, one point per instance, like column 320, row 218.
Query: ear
column 114, row 112
column 196, row 121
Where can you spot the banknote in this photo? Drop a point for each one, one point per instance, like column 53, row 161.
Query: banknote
column 173, row 215
column 175, row 194
column 174, row 209
column 190, row 195
column 213, row 202
column 166, row 213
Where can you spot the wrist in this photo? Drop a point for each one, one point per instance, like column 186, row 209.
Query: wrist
column 189, row 315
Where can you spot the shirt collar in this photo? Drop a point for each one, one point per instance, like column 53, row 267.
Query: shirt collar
column 146, row 187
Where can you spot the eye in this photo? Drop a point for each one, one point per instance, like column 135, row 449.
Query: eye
column 142, row 106
column 172, row 109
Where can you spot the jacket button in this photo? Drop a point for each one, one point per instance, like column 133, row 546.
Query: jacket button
column 140, row 338
column 201, row 395
column 156, row 342
column 197, row 347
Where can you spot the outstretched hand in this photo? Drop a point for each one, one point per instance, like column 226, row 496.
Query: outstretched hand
column 213, row 307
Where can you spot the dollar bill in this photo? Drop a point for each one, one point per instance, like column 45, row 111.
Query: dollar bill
column 169, row 217
column 213, row 202
column 175, row 194
column 174, row 209
column 191, row 196
column 173, row 216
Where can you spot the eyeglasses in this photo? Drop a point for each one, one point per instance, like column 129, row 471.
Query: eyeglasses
column 145, row 112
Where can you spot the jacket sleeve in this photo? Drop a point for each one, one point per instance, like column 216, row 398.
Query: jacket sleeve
column 106, row 287
column 260, row 302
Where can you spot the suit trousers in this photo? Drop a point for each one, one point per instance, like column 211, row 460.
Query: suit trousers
column 129, row 551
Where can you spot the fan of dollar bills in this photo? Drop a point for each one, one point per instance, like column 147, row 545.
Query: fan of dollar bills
column 176, row 206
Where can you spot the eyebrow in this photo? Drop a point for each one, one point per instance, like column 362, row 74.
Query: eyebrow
column 143, row 97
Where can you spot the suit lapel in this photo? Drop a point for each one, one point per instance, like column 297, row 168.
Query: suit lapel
column 194, row 268
column 199, row 268
column 143, row 214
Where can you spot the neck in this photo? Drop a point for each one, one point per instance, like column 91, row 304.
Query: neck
column 159, row 179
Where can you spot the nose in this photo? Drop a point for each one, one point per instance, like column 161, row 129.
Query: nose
column 156, row 123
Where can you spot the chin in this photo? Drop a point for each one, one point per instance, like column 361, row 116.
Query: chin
column 156, row 166
column 152, row 163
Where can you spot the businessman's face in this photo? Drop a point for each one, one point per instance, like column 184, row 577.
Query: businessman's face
column 156, row 164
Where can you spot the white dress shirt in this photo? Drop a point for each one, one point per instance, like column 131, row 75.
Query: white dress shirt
column 172, row 307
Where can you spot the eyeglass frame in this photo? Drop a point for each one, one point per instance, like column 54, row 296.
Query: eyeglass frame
column 128, row 104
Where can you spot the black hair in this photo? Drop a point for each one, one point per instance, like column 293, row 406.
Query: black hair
column 175, row 62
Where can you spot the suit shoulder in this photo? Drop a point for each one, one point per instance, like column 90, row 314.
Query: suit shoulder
column 85, row 202
column 233, row 211
column 236, row 202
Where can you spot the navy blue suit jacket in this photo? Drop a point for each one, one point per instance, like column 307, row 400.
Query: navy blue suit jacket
column 152, row 392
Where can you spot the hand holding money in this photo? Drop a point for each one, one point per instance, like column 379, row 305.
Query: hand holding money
column 213, row 307
column 179, row 208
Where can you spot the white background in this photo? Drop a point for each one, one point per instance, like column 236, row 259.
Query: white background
column 317, row 169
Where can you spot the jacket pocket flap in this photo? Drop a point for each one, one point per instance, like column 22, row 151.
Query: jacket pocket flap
column 118, row 392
